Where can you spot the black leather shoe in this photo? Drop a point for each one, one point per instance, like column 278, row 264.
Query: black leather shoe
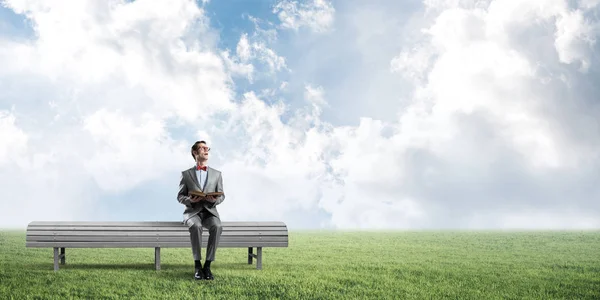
column 199, row 275
column 207, row 274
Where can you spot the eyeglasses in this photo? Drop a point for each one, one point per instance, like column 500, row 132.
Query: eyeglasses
column 204, row 148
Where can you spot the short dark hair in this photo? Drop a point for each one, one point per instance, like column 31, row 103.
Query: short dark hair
column 195, row 147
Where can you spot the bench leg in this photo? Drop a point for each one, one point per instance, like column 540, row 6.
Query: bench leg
column 157, row 258
column 55, row 259
column 63, row 257
column 259, row 258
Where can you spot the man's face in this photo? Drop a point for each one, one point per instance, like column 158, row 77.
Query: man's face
column 203, row 150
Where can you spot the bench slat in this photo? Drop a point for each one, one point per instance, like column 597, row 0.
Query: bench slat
column 150, row 233
column 178, row 228
column 148, row 223
column 151, row 239
column 182, row 244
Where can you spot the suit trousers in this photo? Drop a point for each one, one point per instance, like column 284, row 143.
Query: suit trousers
column 195, row 225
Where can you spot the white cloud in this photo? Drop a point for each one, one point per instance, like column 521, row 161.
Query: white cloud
column 14, row 140
column 412, row 64
column 317, row 15
column 128, row 152
column 314, row 95
column 238, row 67
column 481, row 107
column 38, row 177
column 481, row 136
column 110, row 79
column 498, row 131
column 254, row 59
column 575, row 38
column 259, row 50
column 265, row 163
column 243, row 48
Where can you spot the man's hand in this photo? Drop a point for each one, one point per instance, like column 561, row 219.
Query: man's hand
column 196, row 199
column 210, row 199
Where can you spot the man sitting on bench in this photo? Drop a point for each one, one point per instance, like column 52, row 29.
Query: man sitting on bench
column 201, row 211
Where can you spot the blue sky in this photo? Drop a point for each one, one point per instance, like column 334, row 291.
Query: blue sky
column 13, row 24
column 322, row 114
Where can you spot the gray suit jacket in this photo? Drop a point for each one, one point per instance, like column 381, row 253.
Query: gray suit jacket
column 189, row 182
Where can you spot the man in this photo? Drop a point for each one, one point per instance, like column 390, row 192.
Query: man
column 201, row 211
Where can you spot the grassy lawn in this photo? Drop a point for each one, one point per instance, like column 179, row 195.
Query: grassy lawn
column 324, row 265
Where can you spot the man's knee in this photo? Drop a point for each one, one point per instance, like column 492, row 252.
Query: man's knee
column 216, row 228
column 195, row 226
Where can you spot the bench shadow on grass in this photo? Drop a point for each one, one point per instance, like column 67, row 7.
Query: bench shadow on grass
column 174, row 270
column 186, row 272
column 116, row 266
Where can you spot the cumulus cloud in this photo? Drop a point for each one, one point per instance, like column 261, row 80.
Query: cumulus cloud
column 497, row 127
column 258, row 50
column 487, row 139
column 317, row 15
column 14, row 140
column 491, row 117
column 95, row 91
column 254, row 58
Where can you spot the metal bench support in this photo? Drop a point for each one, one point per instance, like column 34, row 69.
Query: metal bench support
column 258, row 257
column 157, row 258
column 57, row 257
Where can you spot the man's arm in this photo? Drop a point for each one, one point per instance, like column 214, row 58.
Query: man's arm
column 219, row 199
column 182, row 195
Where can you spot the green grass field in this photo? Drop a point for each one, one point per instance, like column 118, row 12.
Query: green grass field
column 324, row 265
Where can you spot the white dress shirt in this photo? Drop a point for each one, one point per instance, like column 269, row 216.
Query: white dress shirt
column 201, row 174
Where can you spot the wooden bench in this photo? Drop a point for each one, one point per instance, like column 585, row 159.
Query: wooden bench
column 62, row 235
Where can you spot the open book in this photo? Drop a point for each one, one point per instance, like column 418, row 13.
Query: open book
column 201, row 194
